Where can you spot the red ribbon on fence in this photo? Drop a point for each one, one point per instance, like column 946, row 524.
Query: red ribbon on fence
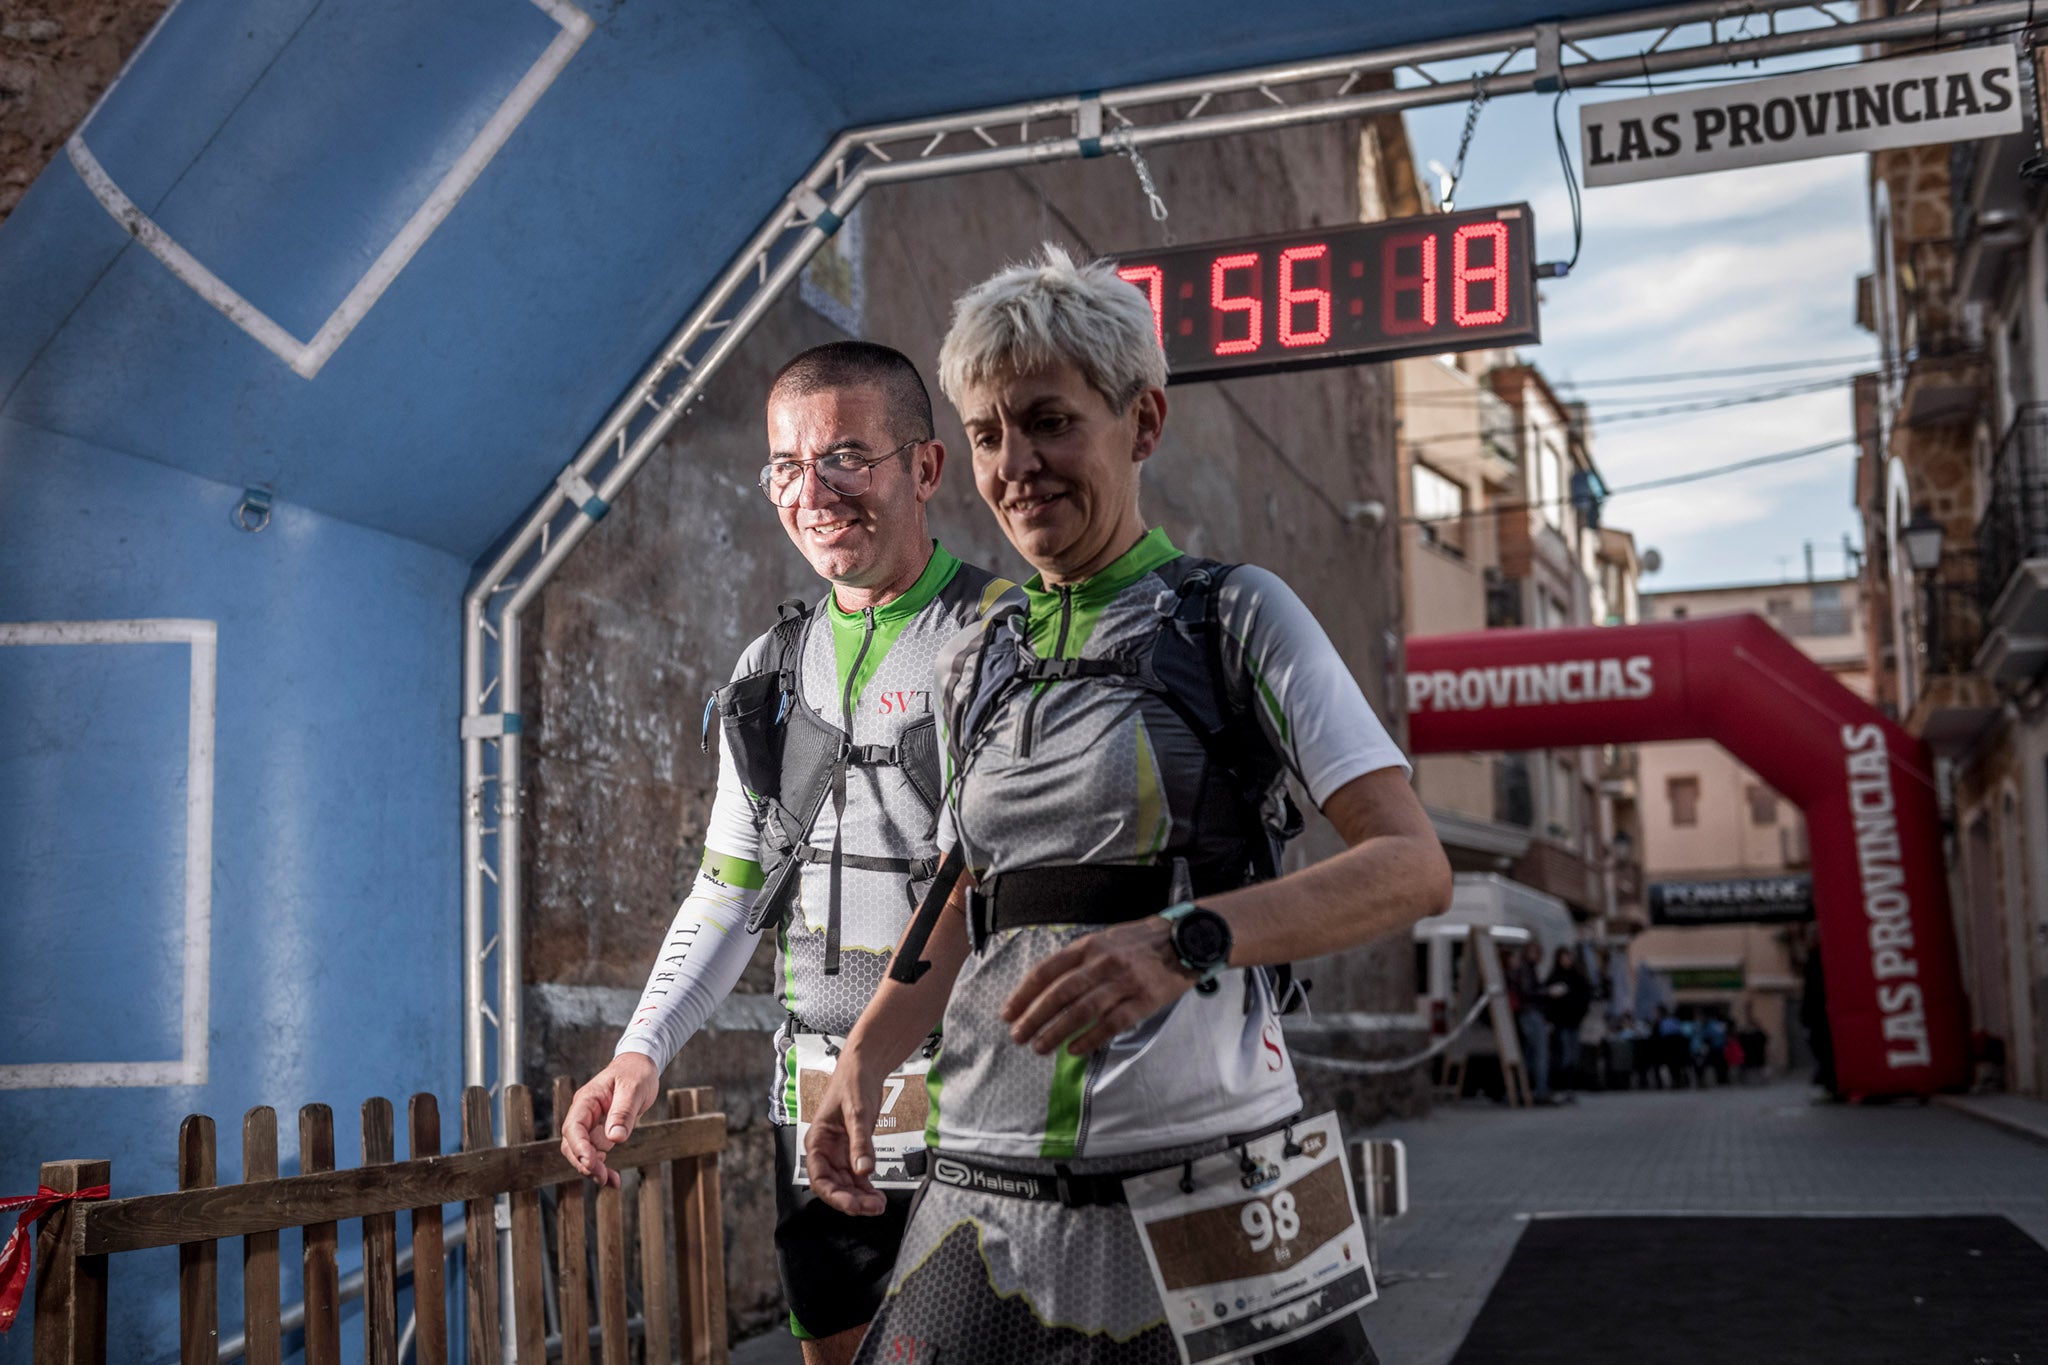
column 14, row 1257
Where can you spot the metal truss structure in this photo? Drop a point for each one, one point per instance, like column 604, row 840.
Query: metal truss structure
column 1541, row 58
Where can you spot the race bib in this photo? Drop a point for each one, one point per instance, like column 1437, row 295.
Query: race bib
column 899, row 1126
column 1254, row 1258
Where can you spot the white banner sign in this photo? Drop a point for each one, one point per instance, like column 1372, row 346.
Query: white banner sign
column 1940, row 97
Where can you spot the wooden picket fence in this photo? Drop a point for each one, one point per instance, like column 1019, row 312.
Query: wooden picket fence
column 75, row 1239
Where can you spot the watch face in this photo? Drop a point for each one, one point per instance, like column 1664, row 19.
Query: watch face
column 1202, row 938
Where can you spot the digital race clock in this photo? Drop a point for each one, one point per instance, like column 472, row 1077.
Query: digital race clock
column 1300, row 300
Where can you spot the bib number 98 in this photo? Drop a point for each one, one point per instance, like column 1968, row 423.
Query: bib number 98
column 1265, row 1221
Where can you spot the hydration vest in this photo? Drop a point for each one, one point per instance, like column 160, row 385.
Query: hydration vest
column 1241, row 817
column 791, row 761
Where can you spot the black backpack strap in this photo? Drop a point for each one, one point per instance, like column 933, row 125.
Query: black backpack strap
column 785, row 638
column 909, row 962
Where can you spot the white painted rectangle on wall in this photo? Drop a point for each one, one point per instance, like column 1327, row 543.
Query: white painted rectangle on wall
column 191, row 1066
column 1908, row 102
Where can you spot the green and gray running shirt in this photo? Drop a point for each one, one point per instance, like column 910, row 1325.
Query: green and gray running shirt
column 1104, row 772
column 887, row 656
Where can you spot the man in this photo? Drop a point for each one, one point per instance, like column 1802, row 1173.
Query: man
column 1526, row 981
column 828, row 782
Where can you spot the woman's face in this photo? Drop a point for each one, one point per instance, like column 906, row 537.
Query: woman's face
column 1059, row 467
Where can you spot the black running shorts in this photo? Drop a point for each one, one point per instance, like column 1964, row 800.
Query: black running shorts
column 835, row 1266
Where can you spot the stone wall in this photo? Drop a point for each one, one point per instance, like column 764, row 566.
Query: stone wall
column 56, row 58
column 649, row 615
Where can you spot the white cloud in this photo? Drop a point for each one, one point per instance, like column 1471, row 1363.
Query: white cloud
column 1693, row 201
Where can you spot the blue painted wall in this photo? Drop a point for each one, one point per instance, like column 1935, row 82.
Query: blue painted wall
column 335, row 949
column 283, row 143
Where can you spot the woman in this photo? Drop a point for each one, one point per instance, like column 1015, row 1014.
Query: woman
column 1569, row 995
column 1098, row 781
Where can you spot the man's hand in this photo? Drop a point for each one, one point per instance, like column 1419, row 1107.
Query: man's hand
column 838, row 1149
column 604, row 1111
column 1097, row 987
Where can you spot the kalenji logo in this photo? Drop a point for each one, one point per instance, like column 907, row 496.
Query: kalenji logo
column 974, row 1178
column 1570, row 682
column 1885, row 902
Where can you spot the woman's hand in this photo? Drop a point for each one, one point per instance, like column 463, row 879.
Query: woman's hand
column 1097, row 987
column 604, row 1111
column 838, row 1148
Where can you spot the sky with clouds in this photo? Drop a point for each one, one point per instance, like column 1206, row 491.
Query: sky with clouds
column 1743, row 268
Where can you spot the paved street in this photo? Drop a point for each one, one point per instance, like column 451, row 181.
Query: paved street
column 1477, row 1173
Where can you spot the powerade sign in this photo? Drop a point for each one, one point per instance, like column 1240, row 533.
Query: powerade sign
column 1732, row 900
column 1940, row 97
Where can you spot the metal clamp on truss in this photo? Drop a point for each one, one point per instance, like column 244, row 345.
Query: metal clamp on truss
column 808, row 200
column 578, row 491
column 1088, row 123
column 492, row 725
column 1548, row 42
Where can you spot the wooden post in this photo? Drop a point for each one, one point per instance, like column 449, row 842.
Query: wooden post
column 380, row 1244
column 700, row 1239
column 480, row 1222
column 529, row 1307
column 261, row 1298
column 572, row 1270
column 71, row 1290
column 654, row 1296
column 322, row 1282
column 429, row 1265
column 198, row 1264
column 611, row 1277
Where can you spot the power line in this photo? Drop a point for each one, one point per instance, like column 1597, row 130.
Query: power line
column 1605, row 421
column 1744, row 393
column 1775, row 367
column 1649, row 485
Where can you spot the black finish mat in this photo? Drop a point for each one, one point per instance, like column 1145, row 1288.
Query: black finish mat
column 1760, row 1291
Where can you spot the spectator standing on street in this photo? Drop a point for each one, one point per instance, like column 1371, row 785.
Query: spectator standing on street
column 1526, row 981
column 1568, row 994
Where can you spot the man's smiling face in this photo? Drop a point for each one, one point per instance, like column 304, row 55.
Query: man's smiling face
column 863, row 541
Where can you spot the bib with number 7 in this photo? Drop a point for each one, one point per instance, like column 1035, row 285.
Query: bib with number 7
column 899, row 1123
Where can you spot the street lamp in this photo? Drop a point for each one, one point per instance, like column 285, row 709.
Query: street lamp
column 1923, row 535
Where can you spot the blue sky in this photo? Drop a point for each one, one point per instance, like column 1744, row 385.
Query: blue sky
column 1742, row 268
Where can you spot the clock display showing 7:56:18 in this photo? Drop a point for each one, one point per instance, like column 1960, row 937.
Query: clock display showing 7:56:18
column 1374, row 291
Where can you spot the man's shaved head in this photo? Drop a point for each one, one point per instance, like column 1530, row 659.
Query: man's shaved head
column 848, row 364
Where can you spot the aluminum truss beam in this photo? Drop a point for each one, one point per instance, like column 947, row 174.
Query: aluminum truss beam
column 1541, row 58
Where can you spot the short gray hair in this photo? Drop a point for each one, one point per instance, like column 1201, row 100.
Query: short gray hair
column 1041, row 313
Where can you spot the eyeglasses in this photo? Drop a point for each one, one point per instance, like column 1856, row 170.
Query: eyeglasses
column 842, row 471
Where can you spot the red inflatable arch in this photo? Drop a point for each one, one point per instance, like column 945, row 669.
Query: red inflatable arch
column 1893, row 990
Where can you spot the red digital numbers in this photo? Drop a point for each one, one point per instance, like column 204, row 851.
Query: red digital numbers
column 1292, row 297
column 1397, row 283
column 1285, row 301
column 1152, row 280
column 1223, row 303
column 1464, row 275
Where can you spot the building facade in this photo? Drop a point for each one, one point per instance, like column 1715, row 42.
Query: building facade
column 1500, row 517
column 1952, row 485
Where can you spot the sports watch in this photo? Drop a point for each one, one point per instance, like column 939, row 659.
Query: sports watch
column 1201, row 940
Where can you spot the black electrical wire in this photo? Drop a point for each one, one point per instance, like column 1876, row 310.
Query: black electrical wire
column 1776, row 367
column 1554, row 269
column 1648, row 485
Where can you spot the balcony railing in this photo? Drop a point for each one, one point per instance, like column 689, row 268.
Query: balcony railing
column 1954, row 607
column 1931, row 323
column 2015, row 524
